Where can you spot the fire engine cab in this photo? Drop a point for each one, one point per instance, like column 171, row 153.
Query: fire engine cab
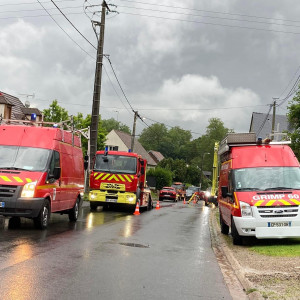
column 118, row 179
column 259, row 188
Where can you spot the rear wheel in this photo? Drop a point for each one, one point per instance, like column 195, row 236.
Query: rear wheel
column 150, row 203
column 224, row 227
column 42, row 220
column 74, row 212
column 237, row 239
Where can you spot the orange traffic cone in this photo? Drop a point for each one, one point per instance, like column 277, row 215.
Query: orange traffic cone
column 157, row 205
column 194, row 199
column 137, row 209
column 184, row 200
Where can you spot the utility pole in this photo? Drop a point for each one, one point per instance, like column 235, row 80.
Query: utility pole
column 273, row 119
column 97, row 85
column 133, row 131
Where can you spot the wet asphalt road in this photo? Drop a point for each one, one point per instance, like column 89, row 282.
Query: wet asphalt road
column 160, row 254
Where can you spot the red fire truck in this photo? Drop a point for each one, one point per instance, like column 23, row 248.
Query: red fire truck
column 41, row 172
column 259, row 188
column 119, row 179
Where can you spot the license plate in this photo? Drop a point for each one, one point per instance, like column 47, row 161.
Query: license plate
column 111, row 200
column 2, row 204
column 279, row 224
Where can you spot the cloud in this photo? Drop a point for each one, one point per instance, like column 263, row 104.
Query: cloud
column 193, row 99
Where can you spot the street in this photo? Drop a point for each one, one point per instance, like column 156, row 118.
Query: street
column 160, row 254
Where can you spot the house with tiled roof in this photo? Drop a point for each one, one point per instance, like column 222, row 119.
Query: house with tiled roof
column 121, row 141
column 157, row 156
column 12, row 108
column 261, row 124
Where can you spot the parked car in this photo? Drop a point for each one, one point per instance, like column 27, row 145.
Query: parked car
column 191, row 190
column 205, row 196
column 169, row 193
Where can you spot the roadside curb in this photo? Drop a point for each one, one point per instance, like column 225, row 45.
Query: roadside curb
column 219, row 245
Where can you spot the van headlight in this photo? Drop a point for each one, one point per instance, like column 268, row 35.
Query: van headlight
column 28, row 190
column 246, row 209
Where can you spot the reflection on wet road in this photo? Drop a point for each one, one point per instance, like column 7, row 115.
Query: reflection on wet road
column 160, row 254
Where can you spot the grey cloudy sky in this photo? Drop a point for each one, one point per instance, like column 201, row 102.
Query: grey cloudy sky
column 179, row 62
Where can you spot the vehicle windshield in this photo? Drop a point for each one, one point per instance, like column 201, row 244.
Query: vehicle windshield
column 23, row 158
column 268, row 178
column 168, row 188
column 115, row 164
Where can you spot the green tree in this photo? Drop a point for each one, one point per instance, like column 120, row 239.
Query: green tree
column 152, row 138
column 55, row 113
column 163, row 177
column 111, row 124
column 294, row 119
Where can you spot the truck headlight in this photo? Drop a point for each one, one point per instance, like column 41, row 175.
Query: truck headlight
column 246, row 210
column 28, row 190
column 207, row 194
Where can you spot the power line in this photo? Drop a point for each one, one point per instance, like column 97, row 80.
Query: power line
column 65, row 31
column 210, row 11
column 119, row 83
column 204, row 109
column 214, row 24
column 210, row 17
column 29, row 3
column 73, row 25
column 38, row 9
column 265, row 120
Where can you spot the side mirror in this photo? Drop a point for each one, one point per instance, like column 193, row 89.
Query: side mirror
column 86, row 157
column 224, row 190
column 142, row 170
column 142, row 162
column 86, row 164
column 56, row 173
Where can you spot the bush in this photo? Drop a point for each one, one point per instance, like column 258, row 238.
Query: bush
column 163, row 177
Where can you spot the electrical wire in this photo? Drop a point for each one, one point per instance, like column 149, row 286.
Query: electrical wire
column 214, row 24
column 73, row 24
column 119, row 83
column 265, row 120
column 210, row 11
column 203, row 109
column 65, row 31
column 210, row 17
column 29, row 3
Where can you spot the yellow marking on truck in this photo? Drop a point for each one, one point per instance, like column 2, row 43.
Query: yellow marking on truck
column 113, row 177
column 271, row 202
column 28, row 179
column 128, row 178
column 99, row 176
column 18, row 179
column 105, row 176
column 5, row 178
column 121, row 177
column 295, row 201
column 284, row 202
column 259, row 203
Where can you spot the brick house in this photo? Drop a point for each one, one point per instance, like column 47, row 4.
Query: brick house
column 12, row 108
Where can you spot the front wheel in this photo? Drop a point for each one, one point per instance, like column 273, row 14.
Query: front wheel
column 224, row 227
column 42, row 220
column 74, row 212
column 237, row 239
column 150, row 203
column 93, row 206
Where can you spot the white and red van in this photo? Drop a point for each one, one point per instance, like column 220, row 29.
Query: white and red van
column 259, row 188
column 41, row 172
